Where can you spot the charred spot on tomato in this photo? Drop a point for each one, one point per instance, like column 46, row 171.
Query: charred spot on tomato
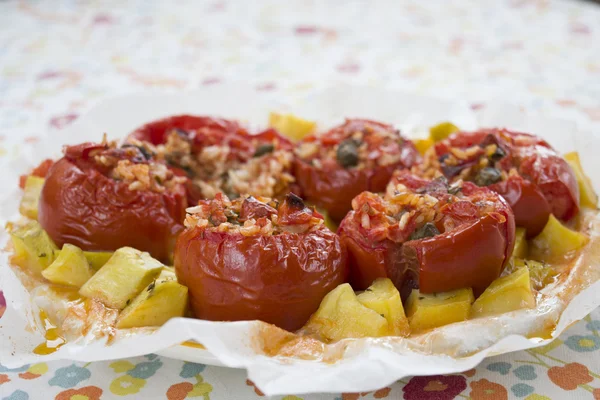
column 498, row 154
column 347, row 153
column 487, row 176
column 427, row 230
column 294, row 202
column 263, row 149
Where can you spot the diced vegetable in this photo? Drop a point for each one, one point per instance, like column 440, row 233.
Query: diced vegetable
column 441, row 131
column 33, row 247
column 70, row 267
column 423, row 145
column 291, row 126
column 521, row 246
column 505, row 294
column 97, row 258
column 31, row 196
column 427, row 311
column 383, row 297
column 156, row 304
column 167, row 274
column 556, row 242
column 540, row 274
column 122, row 278
column 341, row 316
column 587, row 195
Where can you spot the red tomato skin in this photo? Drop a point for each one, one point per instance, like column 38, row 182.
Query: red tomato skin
column 473, row 255
column 156, row 132
column 546, row 183
column 334, row 188
column 527, row 201
column 280, row 279
column 361, row 254
column 87, row 209
column 554, row 177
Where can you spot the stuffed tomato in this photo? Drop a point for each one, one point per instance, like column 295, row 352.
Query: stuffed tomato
column 219, row 155
column 100, row 197
column 255, row 258
column 359, row 155
column 428, row 235
column 523, row 168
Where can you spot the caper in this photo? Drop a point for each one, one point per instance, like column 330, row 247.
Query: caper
column 427, row 230
column 144, row 151
column 347, row 153
column 487, row 176
column 264, row 149
column 498, row 154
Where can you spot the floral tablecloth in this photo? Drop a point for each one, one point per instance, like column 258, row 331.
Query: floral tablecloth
column 58, row 58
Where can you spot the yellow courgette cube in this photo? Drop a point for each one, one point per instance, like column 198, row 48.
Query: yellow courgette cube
column 70, row 267
column 289, row 125
column 383, row 297
column 587, row 195
column 122, row 278
column 341, row 316
column 156, row 304
column 505, row 294
column 427, row 311
column 521, row 246
column 33, row 248
column 441, row 131
column 556, row 242
column 31, row 196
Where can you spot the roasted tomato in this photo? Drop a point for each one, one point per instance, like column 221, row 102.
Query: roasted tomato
column 254, row 258
column 220, row 156
column 521, row 167
column 357, row 156
column 428, row 235
column 41, row 171
column 100, row 197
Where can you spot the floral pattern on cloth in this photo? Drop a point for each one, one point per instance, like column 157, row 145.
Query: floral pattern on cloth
column 60, row 58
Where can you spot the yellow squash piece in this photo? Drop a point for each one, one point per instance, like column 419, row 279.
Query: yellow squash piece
column 383, row 297
column 505, row 294
column 521, row 246
column 70, row 267
column 167, row 274
column 156, row 304
column 556, row 242
column 540, row 274
column 31, row 196
column 441, row 131
column 291, row 126
column 587, row 195
column 423, row 145
column 33, row 247
column 122, row 278
column 427, row 311
column 97, row 258
column 341, row 316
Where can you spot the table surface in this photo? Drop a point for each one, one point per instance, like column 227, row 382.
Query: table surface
column 59, row 58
